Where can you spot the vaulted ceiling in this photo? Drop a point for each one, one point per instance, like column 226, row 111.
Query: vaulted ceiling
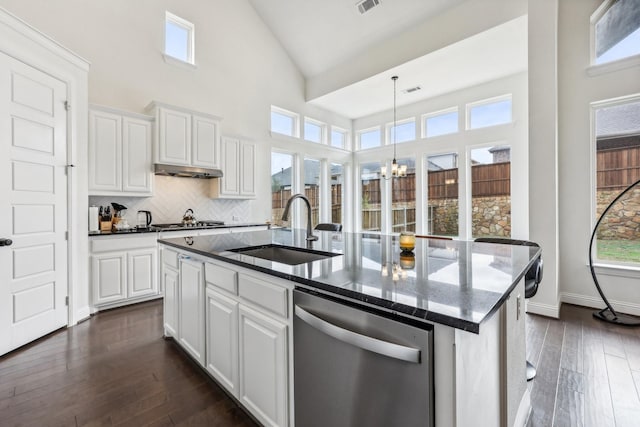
column 323, row 35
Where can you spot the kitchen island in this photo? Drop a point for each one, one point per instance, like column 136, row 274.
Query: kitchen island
column 470, row 293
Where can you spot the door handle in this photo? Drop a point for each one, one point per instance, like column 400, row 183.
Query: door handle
column 389, row 349
column 6, row 242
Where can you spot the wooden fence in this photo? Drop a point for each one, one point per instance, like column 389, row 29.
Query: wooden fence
column 617, row 168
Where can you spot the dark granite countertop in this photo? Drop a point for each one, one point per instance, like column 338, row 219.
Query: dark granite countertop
column 152, row 229
column 453, row 282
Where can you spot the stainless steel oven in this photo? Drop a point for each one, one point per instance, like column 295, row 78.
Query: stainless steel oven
column 357, row 367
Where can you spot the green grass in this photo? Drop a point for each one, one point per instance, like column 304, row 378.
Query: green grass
column 619, row 250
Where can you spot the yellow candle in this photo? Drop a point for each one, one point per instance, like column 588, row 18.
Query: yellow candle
column 407, row 241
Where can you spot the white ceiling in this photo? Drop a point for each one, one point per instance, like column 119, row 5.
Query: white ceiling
column 319, row 38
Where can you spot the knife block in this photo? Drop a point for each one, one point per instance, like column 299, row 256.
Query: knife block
column 105, row 225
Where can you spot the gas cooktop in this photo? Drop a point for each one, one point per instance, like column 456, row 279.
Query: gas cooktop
column 181, row 226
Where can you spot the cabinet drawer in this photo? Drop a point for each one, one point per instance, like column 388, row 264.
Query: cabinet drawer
column 264, row 294
column 122, row 243
column 221, row 277
column 170, row 258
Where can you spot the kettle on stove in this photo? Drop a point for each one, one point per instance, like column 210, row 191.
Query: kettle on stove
column 189, row 217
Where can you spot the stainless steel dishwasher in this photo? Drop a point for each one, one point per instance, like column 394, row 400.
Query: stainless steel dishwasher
column 355, row 367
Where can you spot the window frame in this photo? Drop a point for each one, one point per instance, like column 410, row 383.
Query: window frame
column 360, row 132
column 318, row 123
column 487, row 101
column 627, row 61
column 426, row 116
column 389, row 126
column 345, row 137
column 191, row 43
column 609, row 267
column 294, row 116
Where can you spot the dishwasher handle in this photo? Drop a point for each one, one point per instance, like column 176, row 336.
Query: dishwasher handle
column 408, row 354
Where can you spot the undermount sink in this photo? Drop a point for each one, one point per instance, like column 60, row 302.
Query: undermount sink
column 284, row 254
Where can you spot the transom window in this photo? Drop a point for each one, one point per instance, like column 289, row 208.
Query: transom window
column 313, row 130
column 284, row 122
column 405, row 130
column 489, row 112
column 616, row 29
column 440, row 123
column 369, row 138
column 179, row 38
column 338, row 137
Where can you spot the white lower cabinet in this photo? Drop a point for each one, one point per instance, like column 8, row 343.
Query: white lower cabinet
column 191, row 308
column 263, row 366
column 123, row 270
column 222, row 340
column 235, row 322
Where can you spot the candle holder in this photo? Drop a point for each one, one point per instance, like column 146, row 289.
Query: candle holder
column 407, row 241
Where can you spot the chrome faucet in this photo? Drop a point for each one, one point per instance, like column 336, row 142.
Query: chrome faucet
column 285, row 214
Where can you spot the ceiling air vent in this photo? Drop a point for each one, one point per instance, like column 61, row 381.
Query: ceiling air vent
column 367, row 5
column 412, row 89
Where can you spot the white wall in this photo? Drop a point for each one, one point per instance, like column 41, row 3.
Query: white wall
column 577, row 90
column 241, row 68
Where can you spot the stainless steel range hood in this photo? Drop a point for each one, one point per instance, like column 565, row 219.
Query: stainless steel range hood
column 187, row 171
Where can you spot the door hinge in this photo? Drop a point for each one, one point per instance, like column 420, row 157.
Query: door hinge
column 67, row 105
column 66, row 300
column 66, row 235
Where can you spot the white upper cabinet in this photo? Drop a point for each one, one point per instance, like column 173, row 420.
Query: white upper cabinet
column 185, row 137
column 119, row 153
column 238, row 164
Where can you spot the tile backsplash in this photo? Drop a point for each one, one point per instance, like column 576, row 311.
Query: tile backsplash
column 172, row 196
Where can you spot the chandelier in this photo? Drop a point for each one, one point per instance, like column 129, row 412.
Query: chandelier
column 396, row 170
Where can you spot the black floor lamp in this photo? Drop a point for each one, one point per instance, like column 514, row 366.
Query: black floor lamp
column 608, row 314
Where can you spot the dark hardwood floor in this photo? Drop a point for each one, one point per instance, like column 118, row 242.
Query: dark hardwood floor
column 588, row 371
column 116, row 369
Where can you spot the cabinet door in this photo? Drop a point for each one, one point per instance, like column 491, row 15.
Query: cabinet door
column 109, row 277
column 247, row 169
column 141, row 272
column 191, row 308
column 174, row 137
column 105, row 152
column 137, row 164
column 263, row 367
column 205, row 145
column 222, row 340
column 170, row 283
column 230, row 183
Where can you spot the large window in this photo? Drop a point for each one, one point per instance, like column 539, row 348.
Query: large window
column 371, row 219
column 179, row 38
column 616, row 30
column 403, row 199
column 312, row 184
column 336, row 172
column 440, row 123
column 491, row 191
column 442, row 194
column 617, row 130
column 284, row 122
column 489, row 113
column 281, row 184
column 369, row 138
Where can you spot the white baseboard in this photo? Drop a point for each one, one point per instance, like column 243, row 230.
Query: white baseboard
column 83, row 314
column 596, row 302
column 543, row 309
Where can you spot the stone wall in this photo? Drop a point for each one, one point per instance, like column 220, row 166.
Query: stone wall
column 623, row 219
column 491, row 216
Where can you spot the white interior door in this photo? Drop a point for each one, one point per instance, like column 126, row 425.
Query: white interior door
column 33, row 204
